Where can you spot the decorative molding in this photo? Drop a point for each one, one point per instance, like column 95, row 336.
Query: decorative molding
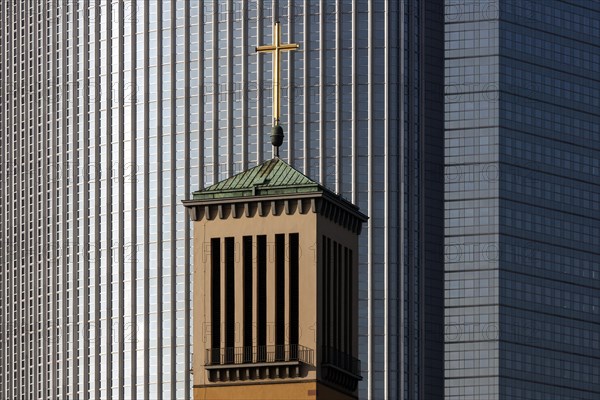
column 287, row 207
column 313, row 205
column 256, row 372
column 193, row 213
column 261, row 211
column 326, row 207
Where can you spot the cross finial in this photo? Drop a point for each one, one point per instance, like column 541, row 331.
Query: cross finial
column 276, row 48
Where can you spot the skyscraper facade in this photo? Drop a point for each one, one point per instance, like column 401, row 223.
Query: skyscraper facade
column 97, row 153
column 361, row 111
column 114, row 111
column 522, row 200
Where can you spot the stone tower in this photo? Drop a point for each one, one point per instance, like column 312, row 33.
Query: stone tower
column 275, row 288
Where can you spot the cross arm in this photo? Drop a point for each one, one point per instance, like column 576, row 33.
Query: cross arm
column 281, row 47
column 292, row 46
column 266, row 48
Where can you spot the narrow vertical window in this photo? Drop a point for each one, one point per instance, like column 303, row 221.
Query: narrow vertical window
column 349, row 268
column 294, row 295
column 247, row 279
column 261, row 315
column 336, row 295
column 279, row 296
column 330, row 291
column 229, row 299
column 215, row 317
column 325, row 292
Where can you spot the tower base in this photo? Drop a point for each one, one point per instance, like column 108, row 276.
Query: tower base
column 271, row 391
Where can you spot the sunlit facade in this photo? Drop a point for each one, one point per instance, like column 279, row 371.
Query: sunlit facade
column 115, row 111
column 96, row 157
column 362, row 113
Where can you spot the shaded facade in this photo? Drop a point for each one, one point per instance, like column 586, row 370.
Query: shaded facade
column 522, row 200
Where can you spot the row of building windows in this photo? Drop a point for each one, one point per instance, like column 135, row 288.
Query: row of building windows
column 581, row 21
column 558, row 333
column 518, row 289
column 566, row 52
column 549, row 85
column 254, row 257
column 522, row 389
column 571, row 229
column 571, row 265
column 552, row 191
column 542, row 364
column 577, row 162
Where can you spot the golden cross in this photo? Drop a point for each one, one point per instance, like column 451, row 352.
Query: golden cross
column 276, row 48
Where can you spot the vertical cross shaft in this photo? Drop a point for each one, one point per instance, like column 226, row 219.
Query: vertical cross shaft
column 276, row 48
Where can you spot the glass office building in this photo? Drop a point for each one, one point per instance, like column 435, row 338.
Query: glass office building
column 114, row 111
column 522, row 200
column 97, row 153
column 362, row 113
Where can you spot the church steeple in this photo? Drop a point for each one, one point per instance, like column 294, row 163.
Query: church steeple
column 275, row 288
column 275, row 281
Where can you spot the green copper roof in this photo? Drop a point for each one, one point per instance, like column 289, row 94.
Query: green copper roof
column 273, row 177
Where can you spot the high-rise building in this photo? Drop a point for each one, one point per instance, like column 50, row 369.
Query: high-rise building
column 522, row 200
column 362, row 109
column 97, row 151
column 114, row 111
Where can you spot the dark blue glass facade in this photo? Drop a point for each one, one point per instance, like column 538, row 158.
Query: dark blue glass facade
column 523, row 200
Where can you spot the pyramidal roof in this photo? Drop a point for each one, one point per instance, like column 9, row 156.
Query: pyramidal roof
column 273, row 177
